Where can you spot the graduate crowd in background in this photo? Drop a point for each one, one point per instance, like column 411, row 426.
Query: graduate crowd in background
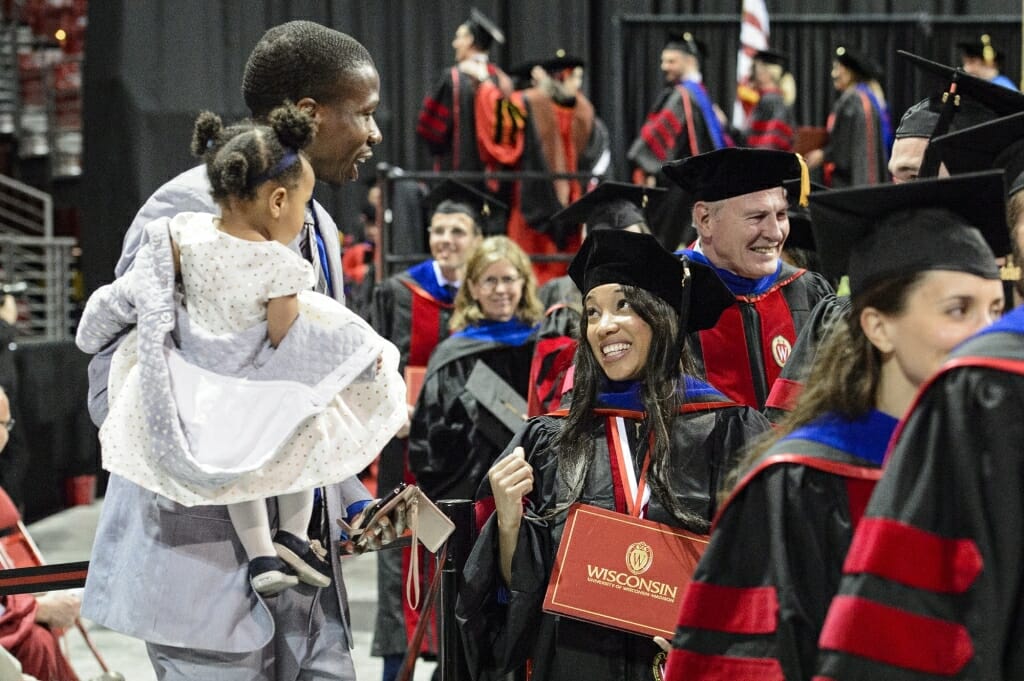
column 842, row 315
column 807, row 363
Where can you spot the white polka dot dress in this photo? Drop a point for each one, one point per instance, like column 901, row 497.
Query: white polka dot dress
column 228, row 280
column 328, row 359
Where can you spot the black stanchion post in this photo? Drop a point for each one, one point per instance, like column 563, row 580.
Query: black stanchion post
column 384, row 226
column 452, row 660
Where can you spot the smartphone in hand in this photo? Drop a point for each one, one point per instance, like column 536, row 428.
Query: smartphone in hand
column 370, row 513
column 432, row 526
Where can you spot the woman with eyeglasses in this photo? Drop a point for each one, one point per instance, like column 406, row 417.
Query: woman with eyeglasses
column 475, row 385
column 474, row 391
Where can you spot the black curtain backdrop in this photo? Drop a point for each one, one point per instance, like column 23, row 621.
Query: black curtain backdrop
column 151, row 65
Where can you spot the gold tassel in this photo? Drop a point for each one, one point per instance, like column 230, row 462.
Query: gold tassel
column 1010, row 271
column 805, row 181
column 988, row 53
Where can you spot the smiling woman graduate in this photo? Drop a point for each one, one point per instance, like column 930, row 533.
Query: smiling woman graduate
column 641, row 438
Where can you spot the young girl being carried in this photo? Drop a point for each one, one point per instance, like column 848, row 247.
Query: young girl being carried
column 259, row 278
column 253, row 439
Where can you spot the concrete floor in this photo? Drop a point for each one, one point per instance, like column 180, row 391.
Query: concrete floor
column 67, row 536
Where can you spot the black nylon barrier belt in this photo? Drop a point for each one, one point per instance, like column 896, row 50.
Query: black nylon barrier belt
column 43, row 578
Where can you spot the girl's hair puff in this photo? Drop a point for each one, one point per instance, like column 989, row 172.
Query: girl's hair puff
column 241, row 157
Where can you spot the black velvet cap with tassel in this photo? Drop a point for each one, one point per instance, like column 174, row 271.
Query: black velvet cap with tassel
column 735, row 171
column 627, row 258
column 485, row 31
column 610, row 205
column 451, row 196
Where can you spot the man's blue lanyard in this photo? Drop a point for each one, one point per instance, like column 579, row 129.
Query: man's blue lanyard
column 321, row 250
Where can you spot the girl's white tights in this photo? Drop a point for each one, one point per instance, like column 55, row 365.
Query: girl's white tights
column 252, row 523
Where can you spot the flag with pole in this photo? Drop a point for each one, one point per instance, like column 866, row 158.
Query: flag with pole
column 754, row 32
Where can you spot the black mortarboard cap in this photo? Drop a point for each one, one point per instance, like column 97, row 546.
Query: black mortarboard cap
column 559, row 62
column 921, row 119
column 995, row 144
column 951, row 223
column 484, row 30
column 772, row 57
column 958, row 84
column 610, row 205
column 800, row 234
column 981, row 48
column 858, row 62
column 1001, row 100
column 733, row 171
column 685, row 42
column 522, row 72
column 455, row 197
column 618, row 257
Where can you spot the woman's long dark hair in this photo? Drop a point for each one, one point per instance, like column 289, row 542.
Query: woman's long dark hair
column 660, row 394
column 845, row 375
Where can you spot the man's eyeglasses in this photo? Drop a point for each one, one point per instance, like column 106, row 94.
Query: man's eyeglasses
column 453, row 232
column 9, row 424
column 491, row 283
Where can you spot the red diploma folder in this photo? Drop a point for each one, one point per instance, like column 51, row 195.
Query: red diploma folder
column 809, row 138
column 622, row 572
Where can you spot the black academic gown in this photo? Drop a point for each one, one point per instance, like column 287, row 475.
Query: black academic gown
column 447, row 119
column 561, row 294
column 503, row 628
column 411, row 317
column 449, row 453
column 409, row 310
column 556, row 344
column 786, row 390
column 772, row 124
column 761, row 327
column 932, row 587
column 761, row 590
column 857, row 152
column 675, row 129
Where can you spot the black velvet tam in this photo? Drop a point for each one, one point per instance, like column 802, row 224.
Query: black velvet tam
column 455, row 197
column 732, row 171
column 611, row 205
column 627, row 258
